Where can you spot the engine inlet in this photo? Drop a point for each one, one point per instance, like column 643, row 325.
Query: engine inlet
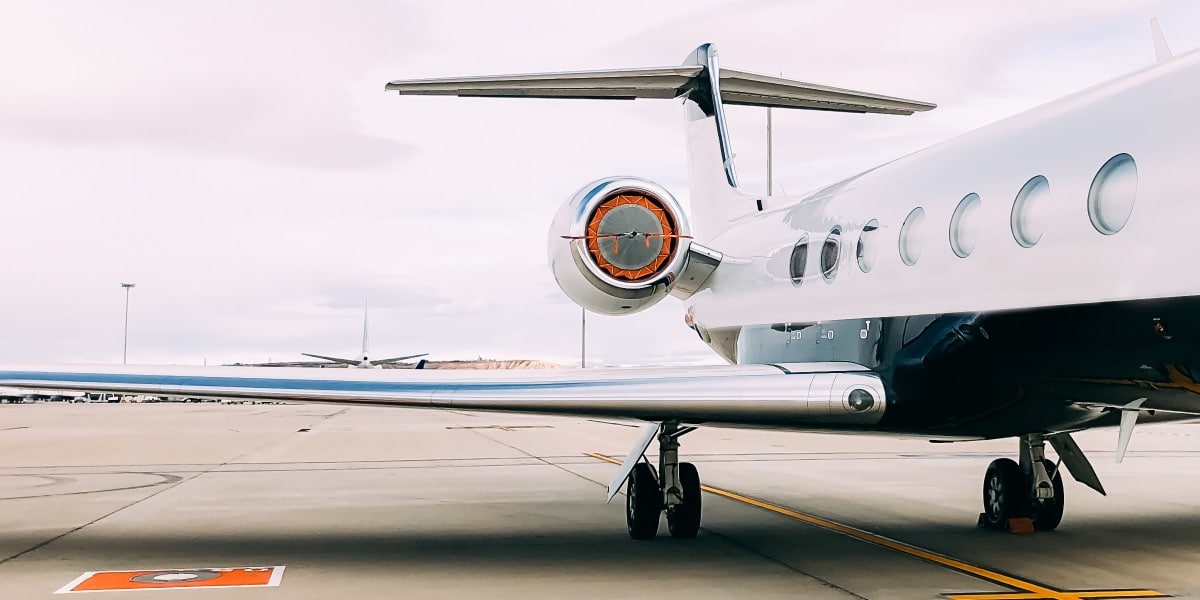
column 619, row 245
column 631, row 236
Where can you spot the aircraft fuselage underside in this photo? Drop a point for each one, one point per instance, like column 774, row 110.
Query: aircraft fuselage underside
column 1002, row 374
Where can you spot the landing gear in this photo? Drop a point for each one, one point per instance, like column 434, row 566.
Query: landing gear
column 683, row 519
column 675, row 489
column 1031, row 490
column 1048, row 512
column 643, row 503
column 1005, row 493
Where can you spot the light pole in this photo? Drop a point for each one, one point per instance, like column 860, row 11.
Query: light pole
column 583, row 339
column 125, row 345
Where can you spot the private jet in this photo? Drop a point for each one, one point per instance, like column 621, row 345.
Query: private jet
column 1027, row 280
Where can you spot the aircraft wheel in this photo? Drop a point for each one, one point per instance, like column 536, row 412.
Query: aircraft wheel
column 683, row 520
column 1047, row 514
column 643, row 503
column 1005, row 493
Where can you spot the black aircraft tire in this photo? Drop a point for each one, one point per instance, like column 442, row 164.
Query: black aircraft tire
column 643, row 503
column 1005, row 493
column 683, row 520
column 1048, row 514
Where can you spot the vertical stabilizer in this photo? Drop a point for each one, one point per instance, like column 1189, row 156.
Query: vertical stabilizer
column 712, row 178
column 366, row 329
column 1162, row 51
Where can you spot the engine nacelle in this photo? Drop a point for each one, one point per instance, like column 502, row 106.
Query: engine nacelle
column 619, row 245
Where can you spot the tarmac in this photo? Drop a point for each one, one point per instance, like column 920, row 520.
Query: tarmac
column 400, row 503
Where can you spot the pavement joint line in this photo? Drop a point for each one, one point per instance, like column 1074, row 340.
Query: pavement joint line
column 782, row 563
column 539, row 459
column 1022, row 589
column 166, row 486
column 166, row 479
column 43, row 544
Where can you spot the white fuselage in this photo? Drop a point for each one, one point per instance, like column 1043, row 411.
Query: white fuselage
column 1149, row 115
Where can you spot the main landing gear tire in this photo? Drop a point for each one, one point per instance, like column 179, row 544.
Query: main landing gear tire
column 1047, row 514
column 1005, row 493
column 643, row 503
column 683, row 520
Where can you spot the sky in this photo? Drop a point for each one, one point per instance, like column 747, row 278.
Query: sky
column 241, row 164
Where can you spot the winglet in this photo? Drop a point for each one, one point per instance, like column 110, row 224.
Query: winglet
column 1162, row 51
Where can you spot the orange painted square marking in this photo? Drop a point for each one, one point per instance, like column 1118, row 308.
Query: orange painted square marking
column 167, row 579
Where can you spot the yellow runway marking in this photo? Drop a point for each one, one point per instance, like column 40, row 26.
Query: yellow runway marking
column 1023, row 590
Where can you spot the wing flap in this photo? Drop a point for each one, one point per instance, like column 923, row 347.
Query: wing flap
column 752, row 395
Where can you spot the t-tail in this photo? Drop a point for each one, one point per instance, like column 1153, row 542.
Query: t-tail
column 621, row 244
column 705, row 87
column 364, row 361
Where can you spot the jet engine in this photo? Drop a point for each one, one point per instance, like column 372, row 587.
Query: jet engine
column 621, row 244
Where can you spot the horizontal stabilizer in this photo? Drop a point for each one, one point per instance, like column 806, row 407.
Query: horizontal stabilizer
column 334, row 359
column 736, row 87
column 752, row 89
column 621, row 84
column 396, row 359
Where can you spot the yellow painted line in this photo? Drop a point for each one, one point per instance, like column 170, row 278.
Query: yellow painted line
column 1061, row 595
column 1029, row 589
column 603, row 457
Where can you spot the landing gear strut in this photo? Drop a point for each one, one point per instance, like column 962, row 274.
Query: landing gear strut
column 675, row 489
column 1031, row 489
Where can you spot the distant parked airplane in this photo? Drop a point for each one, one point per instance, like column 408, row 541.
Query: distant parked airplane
column 362, row 361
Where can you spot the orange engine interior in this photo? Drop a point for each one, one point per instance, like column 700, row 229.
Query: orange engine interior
column 668, row 235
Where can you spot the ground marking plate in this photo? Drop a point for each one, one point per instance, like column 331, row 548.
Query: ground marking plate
column 171, row 579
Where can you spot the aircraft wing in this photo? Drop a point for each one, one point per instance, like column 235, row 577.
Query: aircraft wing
column 783, row 395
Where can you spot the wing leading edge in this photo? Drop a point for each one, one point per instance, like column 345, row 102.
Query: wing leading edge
column 785, row 396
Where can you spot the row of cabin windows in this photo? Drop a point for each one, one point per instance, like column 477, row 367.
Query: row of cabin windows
column 830, row 252
column 1110, row 203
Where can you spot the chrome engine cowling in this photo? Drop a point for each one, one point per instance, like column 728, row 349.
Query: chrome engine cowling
column 619, row 245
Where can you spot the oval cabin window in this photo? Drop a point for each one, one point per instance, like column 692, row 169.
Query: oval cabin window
column 910, row 236
column 831, row 251
column 799, row 260
column 964, row 229
column 1113, row 191
column 1028, row 218
column 865, row 253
